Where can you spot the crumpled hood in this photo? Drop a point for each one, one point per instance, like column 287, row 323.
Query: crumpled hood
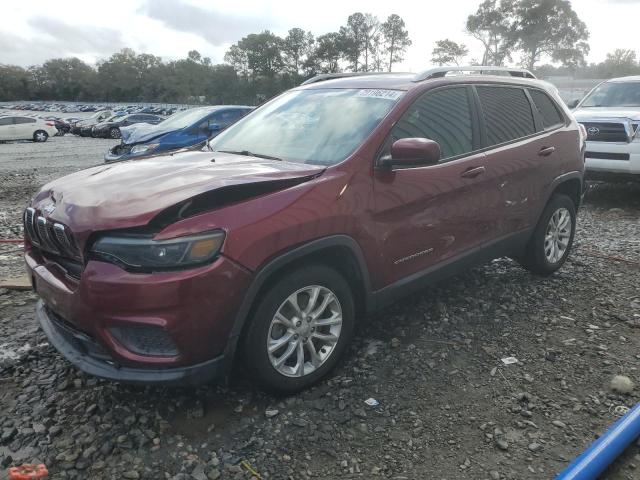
column 131, row 193
column 143, row 132
column 593, row 113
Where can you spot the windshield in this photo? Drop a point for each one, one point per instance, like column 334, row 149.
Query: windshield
column 184, row 119
column 319, row 126
column 614, row 94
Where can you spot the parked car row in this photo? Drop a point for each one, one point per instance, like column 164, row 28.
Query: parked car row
column 71, row 108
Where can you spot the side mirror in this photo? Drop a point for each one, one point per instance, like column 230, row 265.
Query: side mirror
column 573, row 103
column 413, row 152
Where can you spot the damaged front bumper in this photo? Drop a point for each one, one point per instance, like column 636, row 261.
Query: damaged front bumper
column 87, row 355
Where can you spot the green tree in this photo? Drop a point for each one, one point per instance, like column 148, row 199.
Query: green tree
column 396, row 39
column 14, row 83
column 447, row 52
column 353, row 36
column 621, row 62
column 552, row 28
column 296, row 48
column 326, row 55
column 493, row 24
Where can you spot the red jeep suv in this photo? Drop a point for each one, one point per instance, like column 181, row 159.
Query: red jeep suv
column 328, row 202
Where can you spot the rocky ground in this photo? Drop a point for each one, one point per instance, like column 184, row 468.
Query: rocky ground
column 449, row 408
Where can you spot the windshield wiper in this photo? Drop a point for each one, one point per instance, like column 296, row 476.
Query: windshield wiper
column 247, row 153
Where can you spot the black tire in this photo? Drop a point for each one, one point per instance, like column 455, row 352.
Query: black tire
column 114, row 132
column 535, row 258
column 40, row 136
column 254, row 343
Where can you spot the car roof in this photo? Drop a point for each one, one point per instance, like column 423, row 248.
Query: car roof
column 406, row 81
column 630, row 78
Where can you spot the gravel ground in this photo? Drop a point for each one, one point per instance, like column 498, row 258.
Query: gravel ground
column 448, row 407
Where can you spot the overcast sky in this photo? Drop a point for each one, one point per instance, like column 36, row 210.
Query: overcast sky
column 35, row 30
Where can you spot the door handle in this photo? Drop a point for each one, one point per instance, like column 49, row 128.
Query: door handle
column 546, row 151
column 473, row 172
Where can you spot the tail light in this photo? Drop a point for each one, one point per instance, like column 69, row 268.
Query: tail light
column 51, row 124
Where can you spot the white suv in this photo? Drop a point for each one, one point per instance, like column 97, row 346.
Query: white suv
column 26, row 128
column 611, row 115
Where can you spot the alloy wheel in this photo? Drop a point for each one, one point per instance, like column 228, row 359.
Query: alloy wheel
column 304, row 331
column 557, row 235
column 41, row 136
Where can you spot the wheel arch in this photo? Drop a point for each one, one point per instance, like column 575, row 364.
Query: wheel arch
column 570, row 184
column 340, row 252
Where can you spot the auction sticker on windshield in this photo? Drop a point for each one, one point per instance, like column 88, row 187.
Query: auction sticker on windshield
column 379, row 93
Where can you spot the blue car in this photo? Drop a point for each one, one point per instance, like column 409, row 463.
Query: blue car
column 188, row 128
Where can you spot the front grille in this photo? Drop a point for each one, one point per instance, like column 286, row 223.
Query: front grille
column 606, row 132
column 51, row 237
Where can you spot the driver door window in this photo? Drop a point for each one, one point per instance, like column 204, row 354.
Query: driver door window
column 444, row 116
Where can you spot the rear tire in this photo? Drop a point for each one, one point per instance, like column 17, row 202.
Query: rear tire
column 552, row 238
column 40, row 136
column 299, row 330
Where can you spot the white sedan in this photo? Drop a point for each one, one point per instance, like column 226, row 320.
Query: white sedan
column 26, row 128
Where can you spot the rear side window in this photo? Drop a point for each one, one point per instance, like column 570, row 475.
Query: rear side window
column 19, row 120
column 546, row 108
column 443, row 116
column 507, row 114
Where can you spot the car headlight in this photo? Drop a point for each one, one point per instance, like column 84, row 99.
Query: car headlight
column 636, row 132
column 140, row 252
column 146, row 148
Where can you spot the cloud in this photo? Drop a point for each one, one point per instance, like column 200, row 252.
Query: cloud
column 56, row 39
column 78, row 38
column 215, row 27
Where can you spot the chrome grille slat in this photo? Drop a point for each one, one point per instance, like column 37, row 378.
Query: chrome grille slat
column 49, row 236
column 45, row 237
column 29, row 225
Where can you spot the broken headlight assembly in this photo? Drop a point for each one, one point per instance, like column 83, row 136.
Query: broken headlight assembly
column 143, row 253
column 144, row 148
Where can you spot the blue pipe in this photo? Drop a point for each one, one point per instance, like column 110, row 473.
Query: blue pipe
column 595, row 459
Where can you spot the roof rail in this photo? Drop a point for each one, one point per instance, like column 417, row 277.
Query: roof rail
column 330, row 76
column 479, row 69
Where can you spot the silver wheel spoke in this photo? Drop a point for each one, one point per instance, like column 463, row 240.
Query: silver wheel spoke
column 313, row 355
column 280, row 342
column 323, row 306
column 300, row 360
column 283, row 320
column 293, row 301
column 313, row 298
column 335, row 319
column 285, row 356
column 327, row 338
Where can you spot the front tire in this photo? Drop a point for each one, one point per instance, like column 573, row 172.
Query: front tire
column 299, row 329
column 552, row 238
column 114, row 132
column 40, row 136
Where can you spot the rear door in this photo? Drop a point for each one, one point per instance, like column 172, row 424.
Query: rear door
column 431, row 214
column 24, row 128
column 517, row 149
column 509, row 135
